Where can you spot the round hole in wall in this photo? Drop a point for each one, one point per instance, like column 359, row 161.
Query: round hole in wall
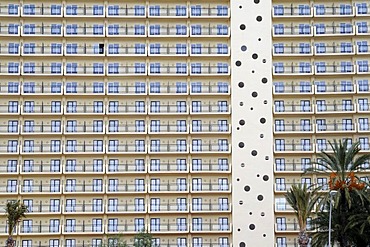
column 260, row 197
column 258, row 175
column 240, row 202
column 251, row 108
column 243, row 48
column 261, row 136
column 254, row 94
column 252, row 227
column 254, row 152
column 255, row 56
column 267, row 158
column 238, row 179
column 256, row 1
column 264, row 235
column 247, row 188
column 259, row 39
column 265, row 102
column 264, row 80
column 242, row 244
column 250, row 213
column 241, row 122
column 262, row 120
column 263, row 214
column 239, row 230
column 240, row 6
column 263, row 60
column 241, row 144
column 242, row 165
column 238, row 63
column 242, row 27
column 252, row 71
column 241, row 103
column 237, row 128
column 259, row 18
column 265, row 178
column 241, row 84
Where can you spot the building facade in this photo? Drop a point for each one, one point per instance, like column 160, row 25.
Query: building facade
column 188, row 119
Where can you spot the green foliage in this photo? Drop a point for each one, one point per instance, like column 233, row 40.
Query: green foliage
column 143, row 239
column 15, row 211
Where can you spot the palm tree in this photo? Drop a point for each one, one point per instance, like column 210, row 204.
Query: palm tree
column 15, row 211
column 303, row 201
column 342, row 164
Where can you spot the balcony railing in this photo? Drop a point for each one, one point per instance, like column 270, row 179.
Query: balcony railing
column 210, row 207
column 168, row 227
column 83, row 148
column 83, row 208
column 169, row 207
column 197, row 11
column 293, row 109
column 40, row 129
column 41, row 209
column 168, row 187
column 40, row 167
column 124, row 168
column 210, row 147
column 332, row 69
column 336, row 127
column 293, row 89
column 210, row 227
column 211, row 187
column 38, row 188
column 84, row 228
column 333, row 11
column 44, row 30
column 293, row 148
column 210, row 129
column 292, row 50
column 44, row 229
column 334, row 50
column 82, row 188
column 292, row 167
column 336, row 108
column 126, row 148
column 293, row 128
column 126, row 188
column 44, row 11
column 126, row 208
column 280, row 11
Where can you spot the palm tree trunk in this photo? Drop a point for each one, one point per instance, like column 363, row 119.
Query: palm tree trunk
column 10, row 241
column 303, row 239
column 343, row 219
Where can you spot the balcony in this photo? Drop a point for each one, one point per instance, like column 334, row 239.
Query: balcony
column 210, row 129
column 210, row 188
column 169, row 109
column 116, row 11
column 291, row 69
column 288, row 109
column 210, row 228
column 124, row 168
column 9, row 190
column 333, row 69
column 335, row 108
column 73, row 69
column 336, row 128
column 362, row 49
column 210, row 148
column 210, row 50
column 127, row 30
column 42, row 148
column 211, row 109
column 83, row 129
column 84, row 31
column 84, row 11
column 5, row 130
column 283, row 208
column 84, row 50
column 293, row 128
column 40, row 168
column 199, row 11
column 126, row 129
column 211, row 208
column 126, row 149
column 126, row 188
column 52, row 69
column 9, row 110
column 363, row 107
column 211, row 167
column 41, row 109
column 210, row 31
column 10, row 10
column 286, row 50
column 11, row 68
column 40, row 229
column 83, row 229
column 334, row 30
column 168, row 167
column 293, row 148
column 8, row 170
column 114, row 88
column 168, row 129
column 281, row 11
column 168, row 228
column 126, row 50
column 296, row 167
column 363, row 9
column 168, row 148
column 9, row 50
column 333, row 50
column 363, row 128
column 9, row 89
column 83, row 149
column 159, row 69
column 41, row 209
column 334, row 11
column 124, row 208
column 127, row 228
column 42, row 11
column 43, row 30
column 115, row 69
column 83, row 168
column 83, row 209
column 178, row 89
column 206, row 89
column 346, row 89
column 203, row 69
column 9, row 150
column 83, row 188
column 168, row 188
column 37, row 189
column 83, row 108
column 40, row 129
column 288, row 228
column 306, row 88
column 168, row 50
column 168, row 208
column 10, row 30
column 170, row 30
column 280, row 30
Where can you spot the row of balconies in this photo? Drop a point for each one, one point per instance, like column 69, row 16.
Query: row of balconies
column 116, row 69
column 309, row 148
column 124, row 208
column 296, row 128
column 127, row 188
column 321, row 87
column 120, row 168
column 116, row 11
column 284, row 187
column 164, row 228
column 307, row 108
column 55, row 147
column 115, row 88
column 49, row 129
column 114, row 50
column 167, row 109
column 320, row 30
column 321, row 68
column 321, row 10
column 281, row 166
column 320, row 49
column 115, row 30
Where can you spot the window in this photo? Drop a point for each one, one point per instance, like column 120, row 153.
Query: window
column 362, row 47
column 140, row 29
column 113, row 205
column 197, row 145
column 181, row 68
column 139, row 145
column 13, row 28
column 98, row 68
column 97, row 185
column 13, row 87
column 56, row 87
column 181, row 126
column 346, row 47
column 56, row 68
column 13, row 9
column 347, row 105
column 28, row 146
column 281, row 223
column 139, row 68
column 112, row 225
column 363, row 123
column 347, row 28
column 139, row 224
column 181, row 184
column 54, row 205
column 97, row 165
column 55, row 186
column 181, row 30
column 181, row 48
column 12, row 146
column 139, row 10
column 304, row 29
column 321, row 144
column 13, row 126
column 155, row 224
column 363, row 66
column 279, row 48
column 197, row 226
column 279, row 106
column 70, row 226
column 181, row 146
column 304, row 48
column 71, row 48
column 71, row 185
column 112, row 185
column 361, row 27
column 13, row 48
column 27, row 226
column 154, row 106
column 139, row 185
column 113, row 125
column 56, row 29
column 29, row 29
column 55, row 9
column 223, row 224
column 98, row 10
column 97, row 242
column 53, row 225
column 305, row 106
column 281, row 242
column 278, row 68
column 181, row 106
column 139, row 205
column 139, row 125
column 98, row 126
column 12, row 166
column 56, row 107
column 54, row 165
column 98, row 106
column 140, row 48
column 223, row 106
column 321, row 105
column 364, row 143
